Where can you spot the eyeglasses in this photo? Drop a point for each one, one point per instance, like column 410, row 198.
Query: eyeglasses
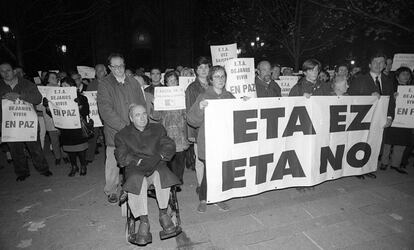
column 117, row 66
column 219, row 77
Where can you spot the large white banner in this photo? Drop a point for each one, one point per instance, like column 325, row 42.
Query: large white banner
column 406, row 60
column 240, row 77
column 404, row 108
column 169, row 98
column 64, row 109
column 93, row 108
column 19, row 121
column 222, row 53
column 286, row 83
column 272, row 143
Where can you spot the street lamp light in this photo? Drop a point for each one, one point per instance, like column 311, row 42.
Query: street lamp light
column 257, row 39
column 261, row 44
column 63, row 48
column 252, row 44
column 352, row 62
column 5, row 29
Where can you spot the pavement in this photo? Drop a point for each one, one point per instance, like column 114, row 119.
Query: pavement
column 60, row 212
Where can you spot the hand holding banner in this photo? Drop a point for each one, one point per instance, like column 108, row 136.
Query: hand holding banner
column 169, row 98
column 240, row 77
column 19, row 121
column 93, row 107
column 222, row 53
column 64, row 109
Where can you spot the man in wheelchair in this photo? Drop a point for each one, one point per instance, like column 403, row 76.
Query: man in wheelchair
column 144, row 149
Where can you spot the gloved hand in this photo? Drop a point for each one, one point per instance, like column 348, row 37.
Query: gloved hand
column 148, row 165
column 45, row 102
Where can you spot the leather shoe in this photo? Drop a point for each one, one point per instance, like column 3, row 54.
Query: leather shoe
column 22, row 177
column 47, row 173
column 82, row 170
column 167, row 224
column 383, row 167
column 399, row 170
column 371, row 175
column 143, row 236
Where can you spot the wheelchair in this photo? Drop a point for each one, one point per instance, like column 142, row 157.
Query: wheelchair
column 173, row 211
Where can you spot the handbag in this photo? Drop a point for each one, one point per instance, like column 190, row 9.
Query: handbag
column 87, row 127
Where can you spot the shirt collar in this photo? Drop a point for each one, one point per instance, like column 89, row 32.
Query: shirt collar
column 120, row 79
column 374, row 75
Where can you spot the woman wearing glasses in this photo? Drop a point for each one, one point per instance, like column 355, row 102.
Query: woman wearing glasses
column 216, row 90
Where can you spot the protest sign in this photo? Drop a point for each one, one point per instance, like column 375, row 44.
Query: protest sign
column 184, row 81
column 404, row 108
column 272, row 143
column 240, row 77
column 222, row 53
column 86, row 72
column 406, row 60
column 93, row 107
column 169, row 98
column 286, row 83
column 43, row 90
column 64, row 109
column 19, row 121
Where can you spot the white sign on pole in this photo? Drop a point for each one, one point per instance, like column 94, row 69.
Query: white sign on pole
column 286, row 83
column 240, row 77
column 93, row 107
column 64, row 109
column 184, row 81
column 169, row 98
column 19, row 121
column 37, row 80
column 400, row 60
column 43, row 90
column 273, row 143
column 222, row 53
column 86, row 72
column 404, row 107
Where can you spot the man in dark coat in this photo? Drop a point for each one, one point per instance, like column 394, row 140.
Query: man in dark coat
column 375, row 83
column 12, row 88
column 265, row 86
column 144, row 149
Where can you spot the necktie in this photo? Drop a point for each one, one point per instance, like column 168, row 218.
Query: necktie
column 377, row 82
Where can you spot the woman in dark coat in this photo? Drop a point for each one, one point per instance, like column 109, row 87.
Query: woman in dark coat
column 74, row 142
column 397, row 138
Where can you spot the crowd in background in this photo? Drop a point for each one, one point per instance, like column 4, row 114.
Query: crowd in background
column 122, row 86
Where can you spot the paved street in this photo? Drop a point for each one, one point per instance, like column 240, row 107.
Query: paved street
column 72, row 213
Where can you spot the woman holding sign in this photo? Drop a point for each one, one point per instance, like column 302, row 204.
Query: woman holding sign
column 216, row 90
column 397, row 138
column 73, row 140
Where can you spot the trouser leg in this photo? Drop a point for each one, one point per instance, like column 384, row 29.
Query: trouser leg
column 90, row 154
column 42, row 131
column 163, row 194
column 199, row 166
column 54, row 139
column 111, row 172
column 202, row 195
column 38, row 156
column 177, row 165
column 73, row 159
column 385, row 157
column 396, row 156
column 139, row 203
column 19, row 158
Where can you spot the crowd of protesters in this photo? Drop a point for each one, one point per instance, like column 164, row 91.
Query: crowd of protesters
column 121, row 87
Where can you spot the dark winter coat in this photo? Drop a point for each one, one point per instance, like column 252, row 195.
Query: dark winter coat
column 304, row 86
column 270, row 89
column 152, row 148
column 71, row 137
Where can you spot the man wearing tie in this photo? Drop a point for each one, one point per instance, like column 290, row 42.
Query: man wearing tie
column 377, row 84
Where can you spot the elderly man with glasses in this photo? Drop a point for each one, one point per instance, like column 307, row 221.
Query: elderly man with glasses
column 116, row 93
